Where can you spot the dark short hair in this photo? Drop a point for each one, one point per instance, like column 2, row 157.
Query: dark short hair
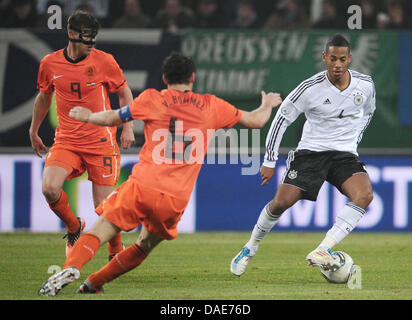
column 177, row 68
column 82, row 20
column 337, row 41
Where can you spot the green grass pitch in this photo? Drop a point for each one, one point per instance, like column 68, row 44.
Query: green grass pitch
column 196, row 267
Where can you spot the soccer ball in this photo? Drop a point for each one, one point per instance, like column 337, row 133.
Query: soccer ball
column 343, row 274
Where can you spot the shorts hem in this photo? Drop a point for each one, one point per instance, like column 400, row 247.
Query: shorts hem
column 56, row 163
column 102, row 184
column 360, row 172
column 290, row 184
column 108, row 219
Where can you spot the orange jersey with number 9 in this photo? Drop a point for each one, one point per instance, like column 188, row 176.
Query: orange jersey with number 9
column 85, row 82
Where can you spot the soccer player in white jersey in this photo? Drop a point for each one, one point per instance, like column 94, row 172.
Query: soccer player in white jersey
column 338, row 104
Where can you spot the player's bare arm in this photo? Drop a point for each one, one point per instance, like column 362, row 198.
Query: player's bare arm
column 257, row 118
column 108, row 118
column 41, row 107
column 127, row 136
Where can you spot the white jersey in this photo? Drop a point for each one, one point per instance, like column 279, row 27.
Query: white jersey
column 335, row 119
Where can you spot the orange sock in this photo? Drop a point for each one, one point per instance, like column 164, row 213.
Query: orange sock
column 123, row 262
column 115, row 244
column 61, row 208
column 83, row 251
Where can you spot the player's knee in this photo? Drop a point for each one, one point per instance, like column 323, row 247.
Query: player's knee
column 368, row 198
column 278, row 206
column 51, row 192
column 363, row 199
column 145, row 244
column 148, row 242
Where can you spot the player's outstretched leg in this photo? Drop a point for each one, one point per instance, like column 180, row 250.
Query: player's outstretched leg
column 325, row 258
column 58, row 281
column 285, row 197
column 123, row 262
column 265, row 223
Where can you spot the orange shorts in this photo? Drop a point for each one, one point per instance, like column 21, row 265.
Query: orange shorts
column 132, row 204
column 102, row 170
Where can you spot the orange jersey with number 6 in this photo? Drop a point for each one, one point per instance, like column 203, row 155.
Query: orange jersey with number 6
column 178, row 128
column 85, row 82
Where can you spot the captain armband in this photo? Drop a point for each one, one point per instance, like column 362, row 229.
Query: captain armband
column 124, row 114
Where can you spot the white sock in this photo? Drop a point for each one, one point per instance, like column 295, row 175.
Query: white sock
column 265, row 223
column 345, row 222
column 327, row 243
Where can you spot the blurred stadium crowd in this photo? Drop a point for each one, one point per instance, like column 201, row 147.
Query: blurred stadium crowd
column 173, row 15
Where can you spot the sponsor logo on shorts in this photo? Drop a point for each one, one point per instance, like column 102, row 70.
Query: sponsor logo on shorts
column 292, row 174
column 106, row 175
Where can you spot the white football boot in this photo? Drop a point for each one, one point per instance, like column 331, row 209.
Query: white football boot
column 325, row 258
column 58, row 281
column 240, row 261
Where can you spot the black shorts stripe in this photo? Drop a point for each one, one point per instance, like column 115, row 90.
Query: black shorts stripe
column 291, row 156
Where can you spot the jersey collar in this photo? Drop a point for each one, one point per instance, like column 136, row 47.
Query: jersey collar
column 70, row 59
column 335, row 87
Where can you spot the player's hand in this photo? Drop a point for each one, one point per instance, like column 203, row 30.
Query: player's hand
column 37, row 144
column 80, row 113
column 127, row 136
column 266, row 174
column 271, row 99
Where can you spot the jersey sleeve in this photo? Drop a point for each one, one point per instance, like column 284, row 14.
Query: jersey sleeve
column 115, row 79
column 369, row 110
column 286, row 114
column 371, row 104
column 298, row 97
column 226, row 115
column 44, row 78
column 290, row 109
column 141, row 107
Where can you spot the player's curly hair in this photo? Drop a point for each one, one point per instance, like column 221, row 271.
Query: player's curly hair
column 177, row 68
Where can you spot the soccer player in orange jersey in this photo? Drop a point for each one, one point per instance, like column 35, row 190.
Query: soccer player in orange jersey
column 158, row 190
column 80, row 75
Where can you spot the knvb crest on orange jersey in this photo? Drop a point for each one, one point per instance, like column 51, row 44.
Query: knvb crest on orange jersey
column 90, row 71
